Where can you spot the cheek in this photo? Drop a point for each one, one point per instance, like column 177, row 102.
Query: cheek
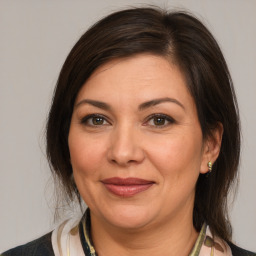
column 86, row 154
column 86, row 159
column 177, row 155
column 178, row 163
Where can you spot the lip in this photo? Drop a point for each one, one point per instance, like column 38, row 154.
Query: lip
column 126, row 187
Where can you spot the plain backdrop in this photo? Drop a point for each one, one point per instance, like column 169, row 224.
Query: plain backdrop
column 35, row 38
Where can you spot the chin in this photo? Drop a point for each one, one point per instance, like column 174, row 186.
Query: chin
column 129, row 217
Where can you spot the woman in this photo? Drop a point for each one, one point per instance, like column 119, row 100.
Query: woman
column 144, row 128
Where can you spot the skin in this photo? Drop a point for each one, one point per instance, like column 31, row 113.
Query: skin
column 127, row 141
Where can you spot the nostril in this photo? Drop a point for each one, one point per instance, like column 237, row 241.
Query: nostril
column 126, row 161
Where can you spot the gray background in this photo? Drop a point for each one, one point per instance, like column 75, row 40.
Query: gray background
column 35, row 38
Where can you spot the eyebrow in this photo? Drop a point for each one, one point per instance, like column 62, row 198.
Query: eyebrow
column 143, row 106
column 154, row 102
column 98, row 104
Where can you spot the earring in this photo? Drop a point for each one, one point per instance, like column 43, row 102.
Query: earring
column 209, row 164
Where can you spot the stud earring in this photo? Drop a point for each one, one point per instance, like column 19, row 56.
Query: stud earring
column 209, row 164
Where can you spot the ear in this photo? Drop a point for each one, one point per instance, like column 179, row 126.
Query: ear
column 211, row 148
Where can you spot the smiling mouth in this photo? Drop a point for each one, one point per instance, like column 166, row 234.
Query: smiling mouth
column 126, row 187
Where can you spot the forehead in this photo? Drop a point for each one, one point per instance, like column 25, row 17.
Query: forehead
column 132, row 66
column 139, row 77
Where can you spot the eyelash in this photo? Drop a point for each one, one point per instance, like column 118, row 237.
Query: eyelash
column 85, row 120
column 167, row 118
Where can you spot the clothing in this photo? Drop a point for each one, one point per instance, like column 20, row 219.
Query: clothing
column 39, row 247
column 73, row 238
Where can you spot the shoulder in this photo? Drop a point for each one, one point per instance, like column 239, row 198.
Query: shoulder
column 237, row 251
column 39, row 247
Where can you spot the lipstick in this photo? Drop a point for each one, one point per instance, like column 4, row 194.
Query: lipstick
column 126, row 187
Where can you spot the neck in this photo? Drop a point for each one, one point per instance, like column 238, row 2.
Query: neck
column 176, row 237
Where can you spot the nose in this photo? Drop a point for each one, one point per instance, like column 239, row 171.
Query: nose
column 125, row 147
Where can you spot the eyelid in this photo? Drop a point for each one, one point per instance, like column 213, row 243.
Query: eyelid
column 166, row 117
column 84, row 119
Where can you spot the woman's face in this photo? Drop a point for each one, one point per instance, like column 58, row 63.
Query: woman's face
column 136, row 144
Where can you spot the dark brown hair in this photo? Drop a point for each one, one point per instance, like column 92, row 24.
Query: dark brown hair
column 185, row 41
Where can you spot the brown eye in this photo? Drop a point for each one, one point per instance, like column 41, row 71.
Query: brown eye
column 97, row 121
column 159, row 121
column 94, row 120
